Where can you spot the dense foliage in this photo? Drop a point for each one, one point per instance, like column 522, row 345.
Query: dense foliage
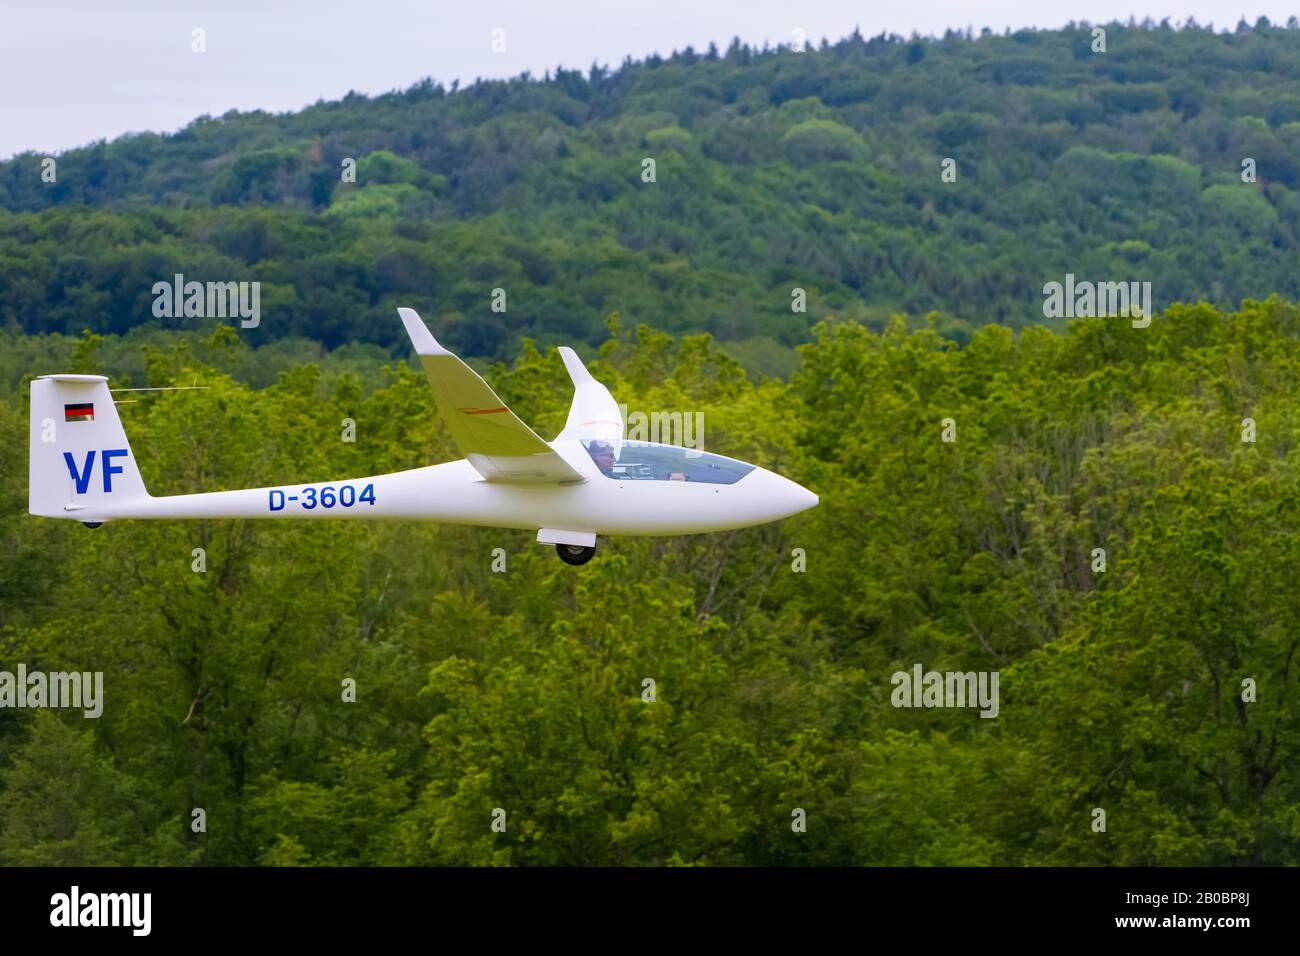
column 522, row 690
column 774, row 170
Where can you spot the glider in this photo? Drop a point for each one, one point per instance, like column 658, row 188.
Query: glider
column 589, row 481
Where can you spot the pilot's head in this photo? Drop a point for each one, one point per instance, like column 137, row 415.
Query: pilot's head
column 604, row 457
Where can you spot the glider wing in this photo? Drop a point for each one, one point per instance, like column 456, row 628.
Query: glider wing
column 593, row 413
column 491, row 437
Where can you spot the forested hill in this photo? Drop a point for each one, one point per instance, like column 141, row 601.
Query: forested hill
column 1113, row 530
column 774, row 169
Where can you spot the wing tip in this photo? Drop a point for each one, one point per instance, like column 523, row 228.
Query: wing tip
column 577, row 371
column 418, row 332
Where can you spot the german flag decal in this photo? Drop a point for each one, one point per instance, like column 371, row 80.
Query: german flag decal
column 83, row 412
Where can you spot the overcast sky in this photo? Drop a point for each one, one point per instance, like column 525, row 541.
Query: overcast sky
column 73, row 71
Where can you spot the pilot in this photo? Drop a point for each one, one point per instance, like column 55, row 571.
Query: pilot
column 603, row 456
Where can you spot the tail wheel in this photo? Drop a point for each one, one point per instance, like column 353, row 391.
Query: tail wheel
column 575, row 553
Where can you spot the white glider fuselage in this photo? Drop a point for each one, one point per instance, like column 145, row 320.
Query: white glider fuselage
column 456, row 493
column 589, row 481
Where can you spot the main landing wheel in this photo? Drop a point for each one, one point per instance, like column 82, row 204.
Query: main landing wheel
column 575, row 553
column 92, row 524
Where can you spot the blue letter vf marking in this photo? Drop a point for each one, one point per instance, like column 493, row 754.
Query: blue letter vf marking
column 111, row 469
column 82, row 478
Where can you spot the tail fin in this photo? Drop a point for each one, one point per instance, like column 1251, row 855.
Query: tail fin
column 80, row 458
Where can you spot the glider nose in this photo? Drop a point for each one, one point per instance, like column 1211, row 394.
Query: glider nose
column 782, row 497
column 799, row 497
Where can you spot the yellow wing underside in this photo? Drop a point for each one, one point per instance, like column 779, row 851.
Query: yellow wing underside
column 492, row 438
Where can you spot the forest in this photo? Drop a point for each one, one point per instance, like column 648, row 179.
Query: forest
column 1105, row 515
column 1155, row 682
column 775, row 170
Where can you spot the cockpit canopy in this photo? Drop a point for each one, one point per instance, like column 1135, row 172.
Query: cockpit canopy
column 646, row 461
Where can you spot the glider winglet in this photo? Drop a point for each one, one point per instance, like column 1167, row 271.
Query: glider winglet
column 577, row 371
column 421, row 337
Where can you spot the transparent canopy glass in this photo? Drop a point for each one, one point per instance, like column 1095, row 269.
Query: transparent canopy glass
column 645, row 461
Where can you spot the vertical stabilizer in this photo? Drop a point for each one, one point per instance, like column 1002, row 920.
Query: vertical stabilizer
column 80, row 458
